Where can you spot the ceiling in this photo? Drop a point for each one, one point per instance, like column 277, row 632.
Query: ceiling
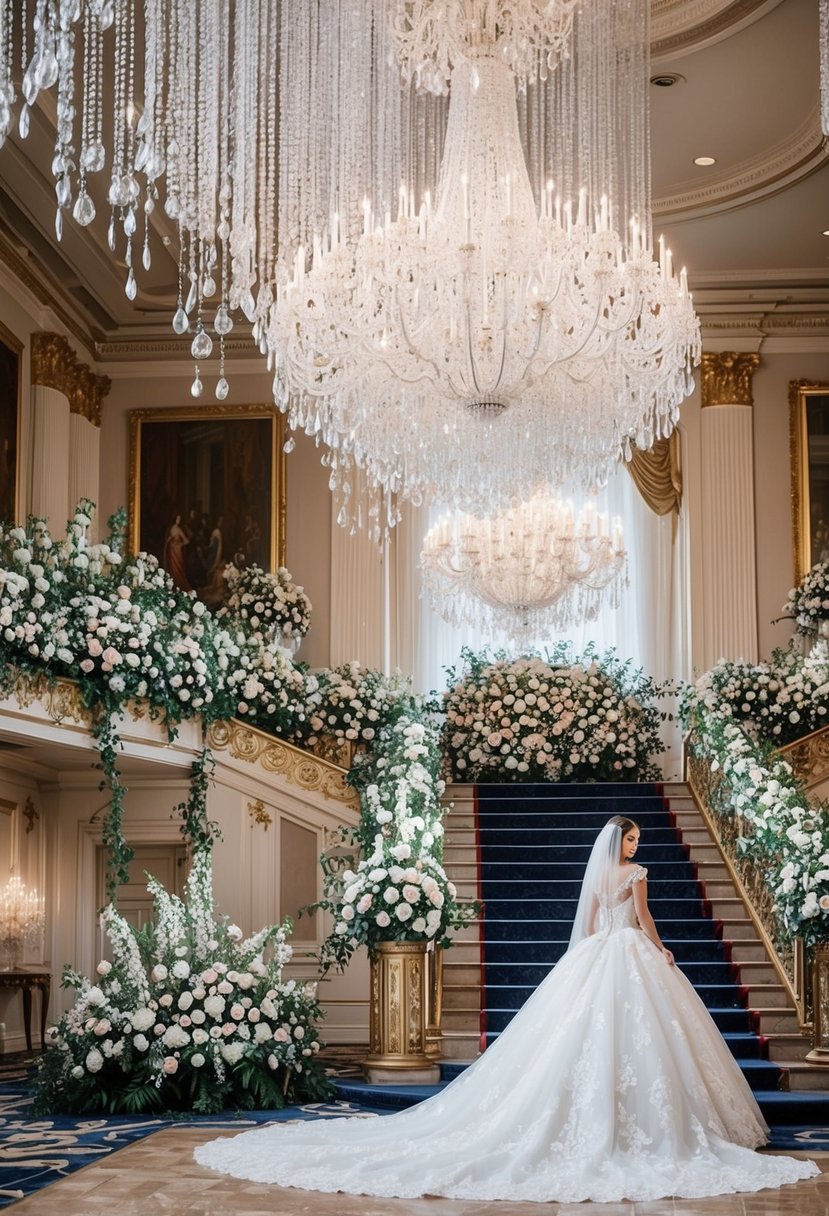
column 747, row 94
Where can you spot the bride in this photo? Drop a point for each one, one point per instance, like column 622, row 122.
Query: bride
column 612, row 1082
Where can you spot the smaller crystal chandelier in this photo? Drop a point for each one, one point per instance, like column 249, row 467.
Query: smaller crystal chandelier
column 528, row 571
column 21, row 920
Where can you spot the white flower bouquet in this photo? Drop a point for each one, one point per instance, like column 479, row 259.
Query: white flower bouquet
column 559, row 718
column 270, row 606
column 398, row 890
column 808, row 603
column 187, row 1016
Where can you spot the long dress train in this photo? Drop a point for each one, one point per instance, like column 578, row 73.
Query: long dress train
column 612, row 1082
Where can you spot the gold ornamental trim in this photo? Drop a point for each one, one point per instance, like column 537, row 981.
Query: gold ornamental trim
column 800, row 392
column 55, row 365
column 309, row 772
column 726, row 377
column 809, row 757
column 399, row 1007
column 61, row 699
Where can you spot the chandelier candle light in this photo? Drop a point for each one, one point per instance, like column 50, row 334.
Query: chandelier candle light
column 22, row 920
column 525, row 573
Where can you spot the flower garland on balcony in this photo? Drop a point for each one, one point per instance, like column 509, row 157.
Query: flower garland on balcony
column 560, row 718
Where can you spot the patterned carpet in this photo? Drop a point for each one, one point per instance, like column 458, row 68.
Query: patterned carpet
column 36, row 1152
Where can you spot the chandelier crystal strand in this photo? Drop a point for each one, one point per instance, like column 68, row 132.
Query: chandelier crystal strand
column 524, row 573
column 824, row 67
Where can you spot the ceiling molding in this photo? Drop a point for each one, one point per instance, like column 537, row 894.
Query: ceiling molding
column 30, row 273
column 681, row 26
column 781, row 166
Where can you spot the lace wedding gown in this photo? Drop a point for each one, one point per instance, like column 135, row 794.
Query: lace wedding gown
column 612, row 1082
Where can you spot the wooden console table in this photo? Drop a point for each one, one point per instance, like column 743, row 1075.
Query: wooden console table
column 26, row 981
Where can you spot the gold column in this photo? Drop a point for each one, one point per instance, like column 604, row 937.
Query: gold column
column 398, row 1013
column 820, row 1006
column 67, row 399
column 728, row 521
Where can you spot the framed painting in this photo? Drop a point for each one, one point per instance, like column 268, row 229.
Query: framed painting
column 10, row 406
column 207, row 488
column 809, row 431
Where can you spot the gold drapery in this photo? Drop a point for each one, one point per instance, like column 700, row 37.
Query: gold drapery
column 657, row 475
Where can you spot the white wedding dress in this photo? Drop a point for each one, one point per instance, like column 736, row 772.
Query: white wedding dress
column 612, row 1082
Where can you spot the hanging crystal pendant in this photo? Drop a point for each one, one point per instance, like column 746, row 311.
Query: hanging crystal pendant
column 202, row 345
column 131, row 287
column 289, row 445
column 196, row 387
column 222, row 389
column 84, row 210
column 23, row 125
column 222, row 323
column 180, row 322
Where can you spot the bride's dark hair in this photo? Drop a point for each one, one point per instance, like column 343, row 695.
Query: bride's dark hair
column 624, row 824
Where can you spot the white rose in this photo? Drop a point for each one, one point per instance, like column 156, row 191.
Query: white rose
column 403, row 911
column 181, row 969
column 94, row 1060
column 141, row 1042
column 197, row 1059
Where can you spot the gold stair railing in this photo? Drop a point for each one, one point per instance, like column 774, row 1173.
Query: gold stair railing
column 727, row 830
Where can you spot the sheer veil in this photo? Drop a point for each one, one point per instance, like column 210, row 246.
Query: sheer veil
column 600, row 878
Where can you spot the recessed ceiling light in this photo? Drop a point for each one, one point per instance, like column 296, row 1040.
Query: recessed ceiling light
column 665, row 80
column 825, row 232
column 705, row 160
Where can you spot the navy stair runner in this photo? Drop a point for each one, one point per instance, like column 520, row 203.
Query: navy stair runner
column 534, row 845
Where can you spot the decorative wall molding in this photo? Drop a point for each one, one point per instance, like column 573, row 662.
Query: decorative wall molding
column 681, row 25
column 55, row 365
column 276, row 756
column 60, row 699
column 726, row 377
column 798, row 156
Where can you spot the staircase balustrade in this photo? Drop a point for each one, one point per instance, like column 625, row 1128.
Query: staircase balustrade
column 728, row 830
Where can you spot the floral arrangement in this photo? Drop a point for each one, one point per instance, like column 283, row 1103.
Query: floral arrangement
column 781, row 834
column 808, row 603
column 351, row 702
column 188, row 1015
column 269, row 606
column 558, row 718
column 777, row 701
column 398, row 890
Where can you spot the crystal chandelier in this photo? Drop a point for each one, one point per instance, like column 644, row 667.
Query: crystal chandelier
column 432, row 281
column 503, row 312
column 526, row 572
column 21, row 920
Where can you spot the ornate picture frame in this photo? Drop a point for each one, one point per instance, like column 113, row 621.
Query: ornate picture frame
column 11, row 406
column 207, row 487
column 809, row 436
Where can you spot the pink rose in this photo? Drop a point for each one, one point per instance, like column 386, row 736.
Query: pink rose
column 87, row 665
column 281, row 1035
column 111, row 656
column 170, row 1065
column 94, row 647
column 228, row 1029
column 225, row 988
column 209, row 976
column 237, row 1011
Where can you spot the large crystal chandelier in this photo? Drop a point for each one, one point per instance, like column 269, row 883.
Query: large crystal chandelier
column 526, row 572
column 510, row 311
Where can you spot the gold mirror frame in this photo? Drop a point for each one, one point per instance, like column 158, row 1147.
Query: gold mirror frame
column 810, row 494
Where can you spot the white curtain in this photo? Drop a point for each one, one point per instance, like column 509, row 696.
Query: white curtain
column 650, row 626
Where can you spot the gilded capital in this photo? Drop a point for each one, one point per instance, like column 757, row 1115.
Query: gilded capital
column 54, row 365
column 726, row 377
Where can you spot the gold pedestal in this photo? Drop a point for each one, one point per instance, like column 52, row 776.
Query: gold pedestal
column 398, row 1012
column 820, row 1006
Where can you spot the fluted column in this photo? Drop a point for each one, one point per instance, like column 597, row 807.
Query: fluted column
column 67, row 399
column 358, row 597
column 728, row 517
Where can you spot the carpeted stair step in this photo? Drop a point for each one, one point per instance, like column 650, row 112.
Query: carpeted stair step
column 686, row 950
column 568, row 887
column 531, row 869
column 555, row 839
column 517, row 908
column 529, row 975
column 533, row 927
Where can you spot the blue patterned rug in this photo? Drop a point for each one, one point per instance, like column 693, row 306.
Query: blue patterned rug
column 37, row 1152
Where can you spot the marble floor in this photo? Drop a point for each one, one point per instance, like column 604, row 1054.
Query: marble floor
column 158, row 1175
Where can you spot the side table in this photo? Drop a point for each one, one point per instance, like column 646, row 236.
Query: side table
column 26, row 981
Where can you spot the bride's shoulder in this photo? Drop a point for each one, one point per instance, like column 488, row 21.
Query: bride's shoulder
column 634, row 873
